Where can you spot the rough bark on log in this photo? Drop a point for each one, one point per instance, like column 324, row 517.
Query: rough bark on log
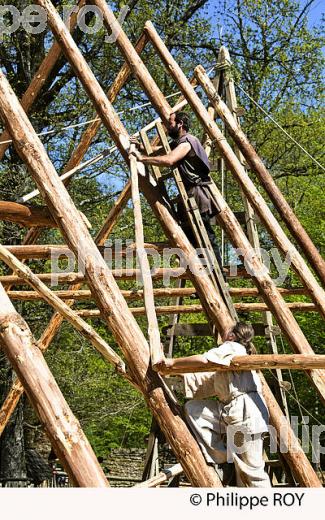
column 287, row 214
column 107, row 294
column 65, row 433
column 27, row 216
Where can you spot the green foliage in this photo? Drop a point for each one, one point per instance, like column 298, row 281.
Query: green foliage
column 277, row 60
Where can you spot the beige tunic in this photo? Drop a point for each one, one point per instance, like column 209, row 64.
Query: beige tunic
column 240, row 393
column 230, row 429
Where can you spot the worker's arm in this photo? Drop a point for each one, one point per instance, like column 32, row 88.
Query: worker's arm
column 169, row 159
column 181, row 363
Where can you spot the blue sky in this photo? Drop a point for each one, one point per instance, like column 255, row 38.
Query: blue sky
column 315, row 12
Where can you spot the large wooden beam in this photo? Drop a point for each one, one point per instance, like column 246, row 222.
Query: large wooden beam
column 67, row 438
column 250, row 190
column 120, row 274
column 41, row 76
column 255, row 162
column 71, row 316
column 166, row 292
column 134, row 60
column 253, row 362
column 27, row 216
column 107, row 294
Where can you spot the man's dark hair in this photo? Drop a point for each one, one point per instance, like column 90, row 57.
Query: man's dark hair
column 183, row 117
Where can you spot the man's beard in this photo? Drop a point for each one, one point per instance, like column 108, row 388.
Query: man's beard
column 173, row 132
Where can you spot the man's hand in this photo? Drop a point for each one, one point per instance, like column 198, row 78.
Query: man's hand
column 135, row 140
column 162, row 365
column 137, row 154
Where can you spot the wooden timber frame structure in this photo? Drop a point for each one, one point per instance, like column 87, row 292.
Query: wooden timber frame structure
column 139, row 354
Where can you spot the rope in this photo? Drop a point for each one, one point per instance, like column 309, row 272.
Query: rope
column 281, row 128
column 90, row 121
column 291, row 395
column 100, row 156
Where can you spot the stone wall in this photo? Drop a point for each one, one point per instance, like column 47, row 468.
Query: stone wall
column 124, row 467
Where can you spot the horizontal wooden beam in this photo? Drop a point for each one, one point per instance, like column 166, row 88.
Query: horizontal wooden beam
column 253, row 362
column 27, row 216
column 47, row 251
column 121, row 274
column 193, row 309
column 137, row 294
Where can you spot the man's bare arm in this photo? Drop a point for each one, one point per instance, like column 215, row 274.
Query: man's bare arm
column 181, row 363
column 169, row 159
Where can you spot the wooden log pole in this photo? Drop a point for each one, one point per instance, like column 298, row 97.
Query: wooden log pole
column 71, row 316
column 250, row 190
column 197, row 309
column 255, row 162
column 48, row 251
column 288, row 443
column 156, row 349
column 120, row 274
column 67, row 438
column 163, row 476
column 25, row 215
column 41, row 75
column 253, row 362
column 134, row 60
column 106, row 292
column 170, row 292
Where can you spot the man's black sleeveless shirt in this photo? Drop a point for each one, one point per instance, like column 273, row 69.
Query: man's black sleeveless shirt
column 194, row 170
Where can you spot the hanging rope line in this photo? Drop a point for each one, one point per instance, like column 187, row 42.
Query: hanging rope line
column 90, row 121
column 280, row 127
column 102, row 155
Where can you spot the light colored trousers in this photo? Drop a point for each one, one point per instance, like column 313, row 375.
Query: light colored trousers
column 211, row 432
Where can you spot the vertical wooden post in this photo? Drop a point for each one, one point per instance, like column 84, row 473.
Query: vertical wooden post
column 156, row 350
column 292, row 222
column 67, row 438
column 235, row 166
